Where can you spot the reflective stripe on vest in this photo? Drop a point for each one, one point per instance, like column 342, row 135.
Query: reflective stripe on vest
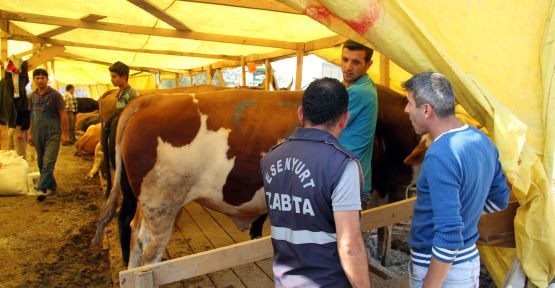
column 302, row 236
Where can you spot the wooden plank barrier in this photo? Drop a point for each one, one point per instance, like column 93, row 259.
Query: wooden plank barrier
column 214, row 260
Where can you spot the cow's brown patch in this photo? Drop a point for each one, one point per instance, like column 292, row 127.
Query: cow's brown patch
column 257, row 119
column 173, row 118
column 394, row 140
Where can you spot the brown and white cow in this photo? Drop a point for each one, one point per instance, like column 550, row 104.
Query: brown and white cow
column 205, row 148
column 88, row 141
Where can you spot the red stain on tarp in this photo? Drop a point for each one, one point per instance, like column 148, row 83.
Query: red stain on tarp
column 367, row 19
column 318, row 12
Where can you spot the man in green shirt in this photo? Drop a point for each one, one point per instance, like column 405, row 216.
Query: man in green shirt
column 358, row 137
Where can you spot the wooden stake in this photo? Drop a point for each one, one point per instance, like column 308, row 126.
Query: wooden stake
column 299, row 75
column 243, row 72
column 268, row 78
column 384, row 70
column 3, row 47
column 210, row 73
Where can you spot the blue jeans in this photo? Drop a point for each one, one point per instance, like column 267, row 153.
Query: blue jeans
column 462, row 275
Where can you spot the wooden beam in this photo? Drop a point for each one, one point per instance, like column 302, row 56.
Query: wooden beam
column 246, row 252
column 384, row 70
column 160, row 14
column 243, row 72
column 14, row 29
column 74, row 57
column 44, row 55
column 299, row 73
column 34, row 39
column 201, row 263
column 25, row 53
column 60, row 30
column 134, row 29
column 324, row 43
column 387, row 214
column 268, row 78
column 220, row 77
column 274, row 6
column 217, row 65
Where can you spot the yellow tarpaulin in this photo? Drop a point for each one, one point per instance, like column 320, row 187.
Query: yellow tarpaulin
column 500, row 58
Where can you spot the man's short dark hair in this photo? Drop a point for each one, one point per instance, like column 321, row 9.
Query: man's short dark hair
column 40, row 72
column 324, row 101
column 69, row 87
column 355, row 46
column 120, row 69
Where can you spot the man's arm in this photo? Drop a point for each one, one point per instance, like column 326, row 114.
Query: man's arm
column 30, row 134
column 351, row 247
column 443, row 180
column 436, row 274
column 65, row 126
column 498, row 196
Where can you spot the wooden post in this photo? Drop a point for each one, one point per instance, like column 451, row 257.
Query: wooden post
column 299, row 75
column 3, row 47
column 210, row 73
column 268, row 78
column 3, row 54
column 177, row 80
column 190, row 78
column 384, row 70
column 220, row 77
column 243, row 72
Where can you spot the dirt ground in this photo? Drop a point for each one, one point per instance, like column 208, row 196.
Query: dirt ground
column 47, row 244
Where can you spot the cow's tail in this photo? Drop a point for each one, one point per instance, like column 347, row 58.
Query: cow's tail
column 109, row 210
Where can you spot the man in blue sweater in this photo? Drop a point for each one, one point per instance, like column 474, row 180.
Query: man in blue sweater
column 460, row 179
column 358, row 137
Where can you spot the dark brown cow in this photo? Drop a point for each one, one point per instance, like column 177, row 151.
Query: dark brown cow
column 394, row 140
column 205, row 148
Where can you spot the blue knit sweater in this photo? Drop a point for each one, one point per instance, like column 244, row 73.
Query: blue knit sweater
column 461, row 177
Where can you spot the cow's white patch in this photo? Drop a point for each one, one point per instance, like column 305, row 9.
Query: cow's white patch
column 182, row 174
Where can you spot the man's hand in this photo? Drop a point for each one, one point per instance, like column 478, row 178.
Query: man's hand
column 21, row 134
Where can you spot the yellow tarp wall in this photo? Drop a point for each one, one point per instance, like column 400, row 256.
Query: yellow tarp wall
column 500, row 58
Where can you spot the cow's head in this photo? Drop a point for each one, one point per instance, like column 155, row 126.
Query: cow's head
column 416, row 157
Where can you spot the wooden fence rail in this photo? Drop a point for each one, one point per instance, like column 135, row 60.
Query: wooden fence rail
column 241, row 253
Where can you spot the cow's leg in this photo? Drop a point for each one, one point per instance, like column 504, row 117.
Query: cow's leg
column 156, row 230
column 98, row 155
column 136, row 245
column 126, row 214
column 256, row 227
